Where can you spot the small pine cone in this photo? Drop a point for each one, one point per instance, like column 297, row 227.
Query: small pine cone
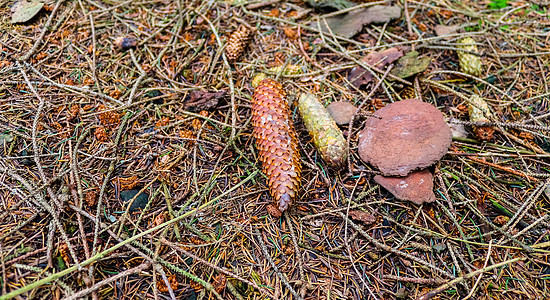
column 237, row 43
column 276, row 142
column 469, row 63
column 479, row 112
column 327, row 137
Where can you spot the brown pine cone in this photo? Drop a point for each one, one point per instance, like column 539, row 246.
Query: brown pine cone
column 237, row 43
column 276, row 142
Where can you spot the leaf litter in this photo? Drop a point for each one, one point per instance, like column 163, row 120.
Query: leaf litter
column 84, row 122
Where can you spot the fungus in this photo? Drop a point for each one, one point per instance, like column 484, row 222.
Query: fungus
column 404, row 136
column 416, row 187
column 341, row 111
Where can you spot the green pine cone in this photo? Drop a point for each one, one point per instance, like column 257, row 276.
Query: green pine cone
column 469, row 63
column 478, row 109
column 327, row 137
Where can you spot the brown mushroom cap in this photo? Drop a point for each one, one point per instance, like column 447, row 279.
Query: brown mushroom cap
column 404, row 136
column 416, row 187
column 341, row 111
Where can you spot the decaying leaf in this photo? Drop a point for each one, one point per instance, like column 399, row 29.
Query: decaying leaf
column 327, row 137
column 358, row 76
column 276, row 142
column 444, row 30
column 410, row 65
column 362, row 216
column 219, row 282
column 5, row 138
column 22, row 11
column 337, row 4
column 348, row 25
column 202, row 100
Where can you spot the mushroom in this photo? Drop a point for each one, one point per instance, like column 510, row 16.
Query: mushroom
column 416, row 187
column 341, row 111
column 404, row 136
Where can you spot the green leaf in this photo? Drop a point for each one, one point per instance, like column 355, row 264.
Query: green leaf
column 498, row 4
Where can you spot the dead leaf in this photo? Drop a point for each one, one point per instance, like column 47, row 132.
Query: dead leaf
column 337, row 4
column 358, row 76
column 22, row 11
column 362, row 216
column 410, row 64
column 350, row 24
column 444, row 30
column 201, row 100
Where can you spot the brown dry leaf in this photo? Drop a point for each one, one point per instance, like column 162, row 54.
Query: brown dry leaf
column 348, row 25
column 365, row 217
column 358, row 76
column 125, row 183
column 116, row 93
column 159, row 219
column 41, row 55
column 202, row 100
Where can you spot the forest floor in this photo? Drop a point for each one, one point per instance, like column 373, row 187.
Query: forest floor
column 164, row 124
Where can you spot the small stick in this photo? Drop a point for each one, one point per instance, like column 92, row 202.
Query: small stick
column 453, row 282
